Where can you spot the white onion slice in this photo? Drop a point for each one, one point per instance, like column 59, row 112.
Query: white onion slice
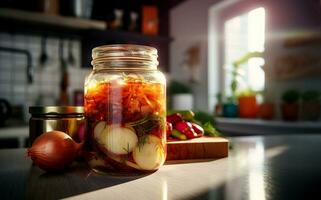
column 128, row 163
column 100, row 126
column 150, row 155
column 96, row 162
column 119, row 140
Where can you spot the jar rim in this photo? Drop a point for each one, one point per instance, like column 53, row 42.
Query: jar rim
column 34, row 110
column 124, row 55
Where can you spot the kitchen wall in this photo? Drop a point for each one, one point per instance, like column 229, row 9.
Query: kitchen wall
column 45, row 88
column 188, row 28
column 196, row 22
column 302, row 17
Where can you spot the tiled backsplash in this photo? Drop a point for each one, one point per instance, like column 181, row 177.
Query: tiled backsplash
column 45, row 88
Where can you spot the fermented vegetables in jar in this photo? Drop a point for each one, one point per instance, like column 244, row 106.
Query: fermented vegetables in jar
column 125, row 110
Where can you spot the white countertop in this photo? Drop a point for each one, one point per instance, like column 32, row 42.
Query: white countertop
column 177, row 181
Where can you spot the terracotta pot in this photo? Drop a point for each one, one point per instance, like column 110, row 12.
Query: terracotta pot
column 247, row 106
column 290, row 111
column 310, row 110
column 218, row 110
column 266, row 111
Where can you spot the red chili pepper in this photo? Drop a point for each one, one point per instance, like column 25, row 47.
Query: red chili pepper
column 174, row 118
column 186, row 129
column 198, row 129
column 169, row 129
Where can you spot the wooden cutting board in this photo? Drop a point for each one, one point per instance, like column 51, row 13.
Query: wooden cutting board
column 198, row 148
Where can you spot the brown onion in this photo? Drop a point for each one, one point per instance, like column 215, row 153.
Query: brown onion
column 53, row 151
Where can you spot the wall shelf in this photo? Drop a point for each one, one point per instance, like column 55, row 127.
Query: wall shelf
column 53, row 20
column 91, row 32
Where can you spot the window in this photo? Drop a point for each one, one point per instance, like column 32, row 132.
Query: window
column 243, row 34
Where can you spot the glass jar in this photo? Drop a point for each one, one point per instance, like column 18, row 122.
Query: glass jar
column 125, row 109
column 68, row 119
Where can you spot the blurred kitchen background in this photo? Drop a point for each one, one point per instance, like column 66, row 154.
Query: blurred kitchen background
column 254, row 65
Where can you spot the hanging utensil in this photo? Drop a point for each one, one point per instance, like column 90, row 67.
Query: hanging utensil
column 5, row 111
column 43, row 59
column 71, row 58
column 64, row 79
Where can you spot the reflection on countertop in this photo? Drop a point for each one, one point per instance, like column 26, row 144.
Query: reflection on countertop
column 257, row 168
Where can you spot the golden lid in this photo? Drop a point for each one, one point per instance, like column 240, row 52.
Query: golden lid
column 56, row 110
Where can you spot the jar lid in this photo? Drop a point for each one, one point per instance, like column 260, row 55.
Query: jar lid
column 40, row 110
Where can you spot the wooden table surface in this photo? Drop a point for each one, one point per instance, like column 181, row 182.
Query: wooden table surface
column 269, row 167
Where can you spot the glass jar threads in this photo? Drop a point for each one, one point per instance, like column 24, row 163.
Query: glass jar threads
column 125, row 109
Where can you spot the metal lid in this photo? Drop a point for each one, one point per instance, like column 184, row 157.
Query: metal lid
column 56, row 110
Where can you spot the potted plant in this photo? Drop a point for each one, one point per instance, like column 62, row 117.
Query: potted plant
column 230, row 108
column 310, row 107
column 290, row 105
column 266, row 109
column 182, row 97
column 218, row 109
column 247, row 104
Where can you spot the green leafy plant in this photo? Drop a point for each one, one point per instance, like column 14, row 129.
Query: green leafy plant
column 210, row 130
column 204, row 117
column 291, row 96
column 176, row 87
column 311, row 95
column 235, row 74
column 219, row 97
column 207, row 121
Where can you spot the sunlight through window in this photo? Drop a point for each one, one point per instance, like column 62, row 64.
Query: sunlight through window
column 243, row 34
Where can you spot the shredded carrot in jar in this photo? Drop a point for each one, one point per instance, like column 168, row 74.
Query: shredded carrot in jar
column 122, row 103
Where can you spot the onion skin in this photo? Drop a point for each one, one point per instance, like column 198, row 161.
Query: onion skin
column 53, row 151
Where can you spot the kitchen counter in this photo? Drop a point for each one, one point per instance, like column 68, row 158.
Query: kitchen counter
column 21, row 133
column 242, row 126
column 260, row 167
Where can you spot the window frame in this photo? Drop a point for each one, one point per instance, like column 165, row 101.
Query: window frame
column 227, row 13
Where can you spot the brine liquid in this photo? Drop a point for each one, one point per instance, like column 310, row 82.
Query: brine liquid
column 125, row 125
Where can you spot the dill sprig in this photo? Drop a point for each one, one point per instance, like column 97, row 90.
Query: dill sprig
column 144, row 126
column 127, row 149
